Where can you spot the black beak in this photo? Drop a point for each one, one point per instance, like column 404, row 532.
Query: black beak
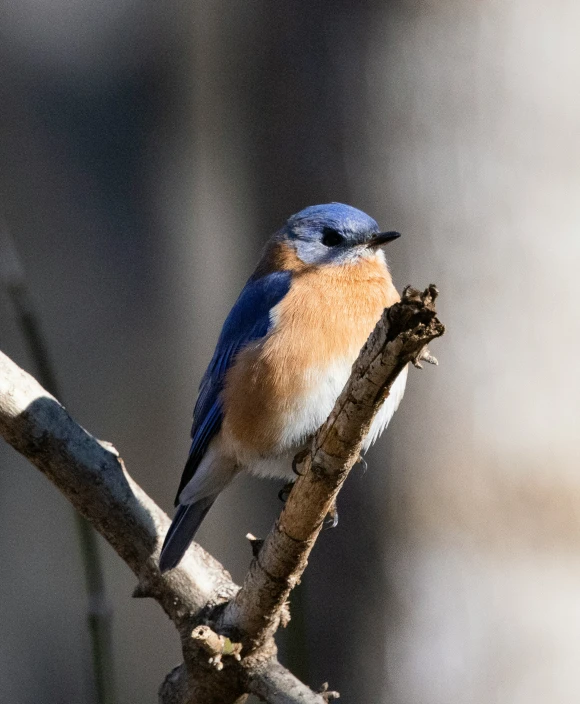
column 382, row 238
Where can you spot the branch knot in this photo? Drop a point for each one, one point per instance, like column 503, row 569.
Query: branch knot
column 217, row 646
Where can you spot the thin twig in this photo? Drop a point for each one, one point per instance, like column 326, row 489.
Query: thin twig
column 99, row 610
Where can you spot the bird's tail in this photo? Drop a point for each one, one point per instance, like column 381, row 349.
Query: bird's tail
column 182, row 530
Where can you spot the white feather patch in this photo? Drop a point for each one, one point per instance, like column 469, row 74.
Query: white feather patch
column 387, row 410
column 214, row 473
column 308, row 414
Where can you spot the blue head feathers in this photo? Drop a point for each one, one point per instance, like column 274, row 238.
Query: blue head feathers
column 333, row 233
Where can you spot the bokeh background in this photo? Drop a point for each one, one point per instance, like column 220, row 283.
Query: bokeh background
column 147, row 150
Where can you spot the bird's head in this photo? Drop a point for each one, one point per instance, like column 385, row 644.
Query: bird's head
column 334, row 234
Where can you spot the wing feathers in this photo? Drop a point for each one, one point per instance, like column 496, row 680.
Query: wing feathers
column 182, row 531
column 248, row 320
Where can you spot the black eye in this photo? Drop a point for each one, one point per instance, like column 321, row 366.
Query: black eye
column 330, row 237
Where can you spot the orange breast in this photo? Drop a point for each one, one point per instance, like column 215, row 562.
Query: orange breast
column 325, row 318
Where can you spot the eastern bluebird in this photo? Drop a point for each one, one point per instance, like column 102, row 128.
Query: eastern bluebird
column 283, row 356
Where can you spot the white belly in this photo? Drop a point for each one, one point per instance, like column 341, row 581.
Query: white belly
column 387, row 410
column 306, row 416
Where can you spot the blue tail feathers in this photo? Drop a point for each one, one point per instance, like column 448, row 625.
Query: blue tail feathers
column 183, row 528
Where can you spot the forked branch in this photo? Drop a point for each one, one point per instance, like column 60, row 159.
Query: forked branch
column 200, row 592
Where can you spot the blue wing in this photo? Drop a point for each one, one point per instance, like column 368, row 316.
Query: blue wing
column 248, row 320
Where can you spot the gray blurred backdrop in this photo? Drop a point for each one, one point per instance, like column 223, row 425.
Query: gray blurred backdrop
column 147, row 150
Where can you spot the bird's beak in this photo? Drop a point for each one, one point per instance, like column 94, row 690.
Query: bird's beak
column 382, row 238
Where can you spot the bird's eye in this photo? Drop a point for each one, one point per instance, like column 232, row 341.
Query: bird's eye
column 330, row 237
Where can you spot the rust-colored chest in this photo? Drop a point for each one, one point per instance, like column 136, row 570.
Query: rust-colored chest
column 318, row 330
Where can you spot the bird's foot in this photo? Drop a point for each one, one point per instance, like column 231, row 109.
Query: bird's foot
column 299, row 459
column 284, row 492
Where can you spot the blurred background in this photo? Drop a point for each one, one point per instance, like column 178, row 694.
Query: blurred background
column 147, row 150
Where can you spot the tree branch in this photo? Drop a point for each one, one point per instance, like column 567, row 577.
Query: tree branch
column 99, row 608
column 400, row 337
column 92, row 475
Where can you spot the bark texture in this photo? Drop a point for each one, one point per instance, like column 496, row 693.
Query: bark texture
column 400, row 337
column 236, row 653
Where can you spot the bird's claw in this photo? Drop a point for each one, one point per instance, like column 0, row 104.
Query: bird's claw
column 284, row 492
column 299, row 459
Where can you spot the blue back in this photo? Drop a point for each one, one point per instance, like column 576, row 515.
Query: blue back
column 248, row 320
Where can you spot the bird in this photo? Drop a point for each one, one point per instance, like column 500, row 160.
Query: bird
column 283, row 356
